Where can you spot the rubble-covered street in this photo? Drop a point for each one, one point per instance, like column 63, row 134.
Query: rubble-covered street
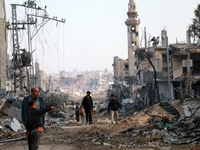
column 152, row 128
column 60, row 88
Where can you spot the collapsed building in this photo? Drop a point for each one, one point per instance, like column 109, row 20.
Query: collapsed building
column 126, row 70
column 160, row 72
column 184, row 69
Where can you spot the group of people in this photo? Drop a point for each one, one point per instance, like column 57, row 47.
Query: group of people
column 34, row 109
column 87, row 107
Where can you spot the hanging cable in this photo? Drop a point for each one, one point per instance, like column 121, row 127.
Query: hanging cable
column 63, row 47
column 58, row 51
column 43, row 50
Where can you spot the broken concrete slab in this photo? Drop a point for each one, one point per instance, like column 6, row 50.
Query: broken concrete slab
column 192, row 107
column 169, row 108
column 12, row 124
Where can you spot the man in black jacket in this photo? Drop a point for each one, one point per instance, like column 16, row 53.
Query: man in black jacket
column 87, row 104
column 114, row 105
column 34, row 124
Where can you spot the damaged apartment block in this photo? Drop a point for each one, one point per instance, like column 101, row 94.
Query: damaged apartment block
column 184, row 69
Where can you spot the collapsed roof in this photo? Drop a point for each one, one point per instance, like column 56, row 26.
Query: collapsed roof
column 184, row 48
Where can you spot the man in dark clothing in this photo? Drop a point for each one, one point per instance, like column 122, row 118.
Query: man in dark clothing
column 39, row 103
column 87, row 104
column 34, row 124
column 77, row 113
column 114, row 105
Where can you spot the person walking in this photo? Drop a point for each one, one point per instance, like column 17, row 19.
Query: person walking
column 34, row 124
column 115, row 106
column 82, row 114
column 87, row 104
column 77, row 113
column 39, row 101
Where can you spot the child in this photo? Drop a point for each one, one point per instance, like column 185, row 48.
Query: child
column 34, row 124
column 77, row 113
column 82, row 114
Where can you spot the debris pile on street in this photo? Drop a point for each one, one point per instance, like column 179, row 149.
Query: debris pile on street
column 11, row 129
column 166, row 125
column 102, row 107
column 133, row 104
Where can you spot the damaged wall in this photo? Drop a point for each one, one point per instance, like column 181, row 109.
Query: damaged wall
column 163, row 89
column 3, row 46
column 177, row 66
column 121, row 68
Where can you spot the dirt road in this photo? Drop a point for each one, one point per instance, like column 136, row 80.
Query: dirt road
column 101, row 135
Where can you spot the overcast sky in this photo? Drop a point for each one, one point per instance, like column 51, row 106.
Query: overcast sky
column 95, row 30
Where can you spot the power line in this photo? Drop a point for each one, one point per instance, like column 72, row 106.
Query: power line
column 63, row 47
column 58, row 51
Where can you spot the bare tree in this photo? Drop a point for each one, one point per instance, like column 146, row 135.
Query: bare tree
column 154, row 70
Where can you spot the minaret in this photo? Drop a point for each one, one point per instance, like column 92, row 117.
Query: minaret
column 3, row 46
column 133, row 36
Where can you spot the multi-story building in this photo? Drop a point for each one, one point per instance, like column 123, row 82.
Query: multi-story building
column 39, row 79
column 121, row 69
column 3, row 47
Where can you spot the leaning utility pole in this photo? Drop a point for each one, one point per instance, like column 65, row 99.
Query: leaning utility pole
column 21, row 57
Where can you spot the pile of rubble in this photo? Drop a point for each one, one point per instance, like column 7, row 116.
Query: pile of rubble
column 132, row 105
column 167, row 123
column 10, row 117
column 11, row 129
column 102, row 107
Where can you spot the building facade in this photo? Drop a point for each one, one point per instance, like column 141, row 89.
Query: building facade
column 3, row 47
column 39, row 78
column 121, row 69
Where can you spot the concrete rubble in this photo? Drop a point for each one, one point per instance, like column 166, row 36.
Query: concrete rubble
column 192, row 107
column 132, row 105
column 163, row 124
column 12, row 129
column 167, row 126
column 102, row 107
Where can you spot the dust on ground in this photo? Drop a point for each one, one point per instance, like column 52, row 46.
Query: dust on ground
column 133, row 132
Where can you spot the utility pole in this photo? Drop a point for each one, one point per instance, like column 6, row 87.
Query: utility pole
column 145, row 37
column 16, row 61
column 168, row 70
column 21, row 58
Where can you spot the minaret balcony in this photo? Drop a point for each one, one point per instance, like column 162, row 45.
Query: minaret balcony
column 132, row 22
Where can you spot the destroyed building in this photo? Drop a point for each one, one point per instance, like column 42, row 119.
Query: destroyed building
column 125, row 70
column 184, row 68
column 39, row 78
column 121, row 69
column 4, row 61
column 148, row 67
column 146, row 72
column 136, row 72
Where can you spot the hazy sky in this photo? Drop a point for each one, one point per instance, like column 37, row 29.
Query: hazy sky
column 95, row 30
